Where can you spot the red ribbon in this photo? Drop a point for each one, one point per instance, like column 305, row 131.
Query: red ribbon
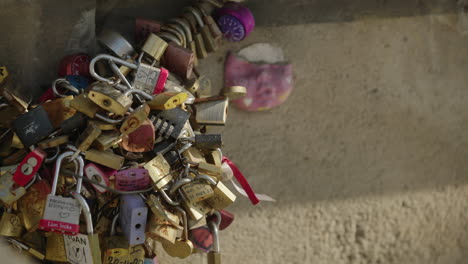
column 242, row 181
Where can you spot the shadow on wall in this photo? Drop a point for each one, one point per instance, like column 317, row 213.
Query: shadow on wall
column 281, row 12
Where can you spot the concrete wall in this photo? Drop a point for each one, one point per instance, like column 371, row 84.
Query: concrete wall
column 367, row 157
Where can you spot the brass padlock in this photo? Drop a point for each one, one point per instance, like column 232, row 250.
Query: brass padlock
column 58, row 110
column 82, row 103
column 86, row 139
column 162, row 230
column 32, row 204
column 53, row 142
column 135, row 119
column 197, row 211
column 197, row 36
column 197, row 191
column 222, row 197
column 159, row 171
column 208, row 39
column 105, row 158
column 107, row 139
column 182, row 247
column 167, row 100
column 55, row 248
column 110, row 98
column 10, row 225
column 154, row 46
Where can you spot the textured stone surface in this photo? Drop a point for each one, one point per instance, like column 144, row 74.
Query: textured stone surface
column 367, row 158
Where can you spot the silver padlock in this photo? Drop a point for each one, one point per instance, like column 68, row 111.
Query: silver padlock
column 62, row 214
column 116, row 43
column 150, row 79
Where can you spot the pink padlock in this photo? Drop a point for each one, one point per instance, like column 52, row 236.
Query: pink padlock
column 100, row 174
column 133, row 179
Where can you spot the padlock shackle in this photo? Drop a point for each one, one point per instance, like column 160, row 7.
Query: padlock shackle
column 185, row 222
column 206, row 178
column 66, row 84
column 139, row 92
column 87, row 212
column 179, row 184
column 114, row 223
column 48, row 160
column 195, row 14
column 169, row 37
column 171, row 30
column 58, row 164
column 185, row 26
column 167, row 198
column 215, row 231
column 108, row 120
column 109, row 58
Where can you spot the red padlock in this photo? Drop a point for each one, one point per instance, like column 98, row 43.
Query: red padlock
column 100, row 174
column 143, row 27
column 29, row 166
column 226, row 219
column 76, row 64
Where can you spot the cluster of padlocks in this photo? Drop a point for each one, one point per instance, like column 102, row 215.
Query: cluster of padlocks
column 117, row 159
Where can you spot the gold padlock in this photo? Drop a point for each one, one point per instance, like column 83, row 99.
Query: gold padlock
column 197, row 191
column 53, row 142
column 194, row 155
column 210, row 169
column 182, row 247
column 154, row 46
column 105, row 158
column 198, row 210
column 59, row 110
column 32, row 204
column 159, row 171
column 110, row 98
column 87, row 137
column 221, row 198
column 107, row 139
column 83, row 104
column 192, row 85
column 135, row 119
column 167, row 100
column 161, row 230
column 10, row 225
column 101, row 124
column 55, row 248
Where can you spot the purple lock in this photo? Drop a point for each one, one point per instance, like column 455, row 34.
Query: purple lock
column 133, row 216
column 134, row 179
column 235, row 21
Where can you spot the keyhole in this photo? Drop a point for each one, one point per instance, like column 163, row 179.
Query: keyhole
column 26, row 169
column 137, row 226
column 106, row 102
column 97, row 178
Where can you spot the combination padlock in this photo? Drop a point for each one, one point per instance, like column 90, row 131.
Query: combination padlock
column 62, row 214
column 133, row 179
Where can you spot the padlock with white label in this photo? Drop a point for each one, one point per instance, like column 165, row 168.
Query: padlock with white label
column 62, row 214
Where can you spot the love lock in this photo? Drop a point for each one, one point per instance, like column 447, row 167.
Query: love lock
column 62, row 214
